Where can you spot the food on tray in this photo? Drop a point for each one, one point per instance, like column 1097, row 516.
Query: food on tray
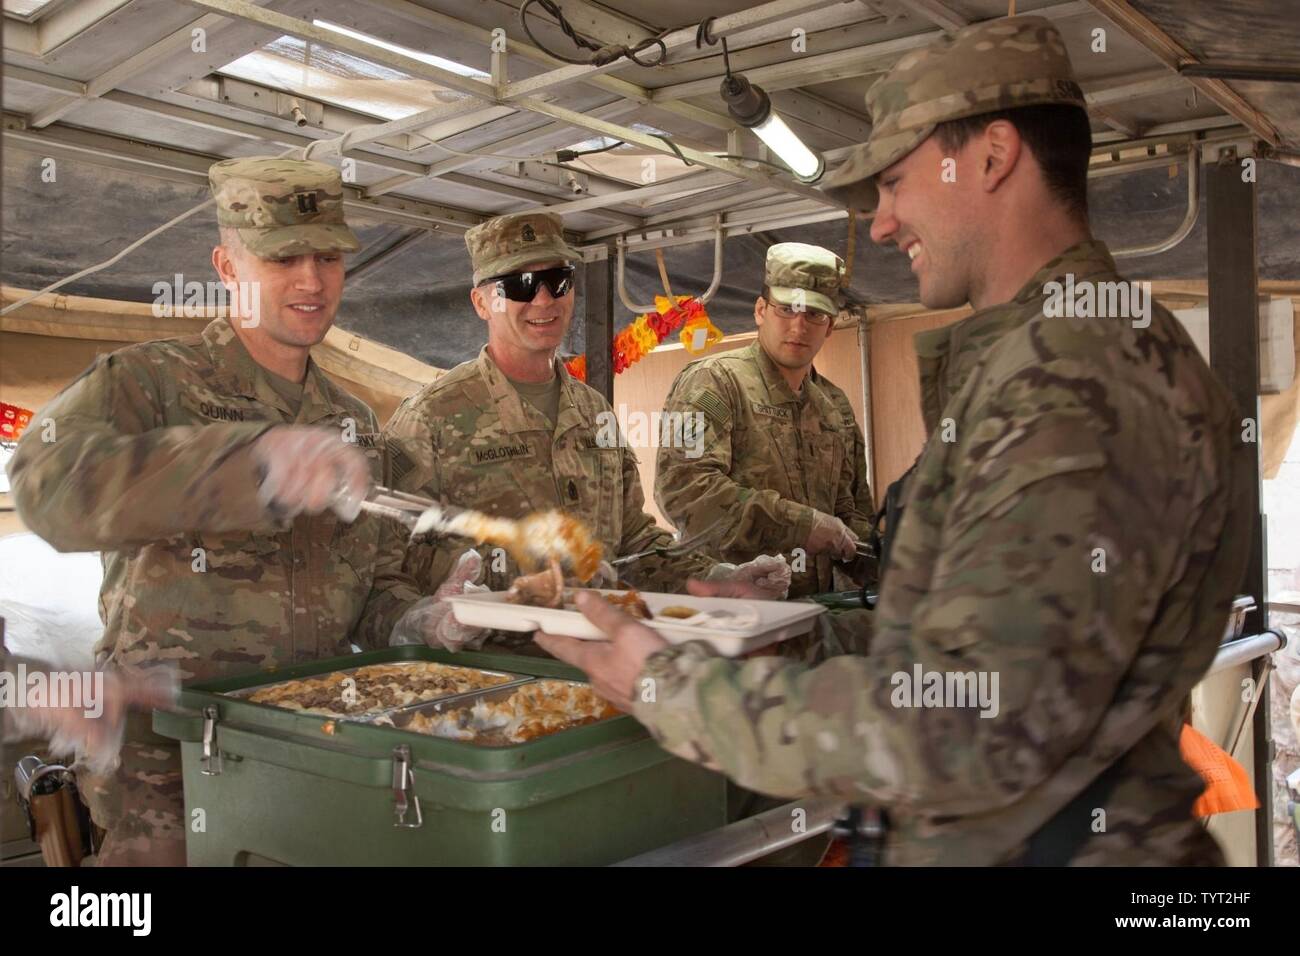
column 543, row 589
column 375, row 687
column 534, row 710
column 630, row 602
column 742, row 618
column 546, row 589
column 678, row 611
column 532, row 541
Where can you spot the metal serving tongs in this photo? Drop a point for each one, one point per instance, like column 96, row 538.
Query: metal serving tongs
column 670, row 550
column 404, row 508
column 530, row 540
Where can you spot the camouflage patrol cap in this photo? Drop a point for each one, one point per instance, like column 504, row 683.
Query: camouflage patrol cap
column 983, row 68
column 506, row 243
column 282, row 207
column 797, row 269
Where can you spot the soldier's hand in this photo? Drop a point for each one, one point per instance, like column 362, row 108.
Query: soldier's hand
column 612, row 665
column 307, row 469
column 430, row 620
column 727, row 589
column 94, row 731
column 831, row 536
column 769, row 574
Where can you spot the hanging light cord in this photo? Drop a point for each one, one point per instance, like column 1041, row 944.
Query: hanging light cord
column 602, row 53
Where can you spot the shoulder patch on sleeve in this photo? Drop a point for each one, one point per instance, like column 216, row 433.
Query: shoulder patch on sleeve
column 712, row 405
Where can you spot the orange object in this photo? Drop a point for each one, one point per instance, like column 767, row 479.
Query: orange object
column 837, row 854
column 634, row 342
column 700, row 322
column 577, row 367
column 13, row 420
column 1227, row 785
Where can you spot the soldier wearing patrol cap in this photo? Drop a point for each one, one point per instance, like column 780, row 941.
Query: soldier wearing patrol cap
column 1069, row 545
column 511, row 432
column 215, row 473
column 783, row 457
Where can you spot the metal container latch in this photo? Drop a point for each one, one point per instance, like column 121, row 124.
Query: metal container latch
column 404, row 781
column 211, row 764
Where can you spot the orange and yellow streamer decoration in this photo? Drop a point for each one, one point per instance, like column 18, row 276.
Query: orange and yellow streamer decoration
column 13, row 419
column 647, row 332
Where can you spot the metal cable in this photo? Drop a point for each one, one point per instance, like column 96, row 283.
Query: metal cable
column 602, row 53
column 91, row 270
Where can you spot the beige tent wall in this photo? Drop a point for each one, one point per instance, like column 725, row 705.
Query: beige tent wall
column 644, row 387
column 32, row 370
column 899, row 432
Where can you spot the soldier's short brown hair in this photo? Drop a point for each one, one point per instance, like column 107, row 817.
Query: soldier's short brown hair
column 1059, row 136
column 230, row 237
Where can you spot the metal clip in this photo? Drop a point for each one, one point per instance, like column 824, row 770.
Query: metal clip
column 404, row 780
column 211, row 766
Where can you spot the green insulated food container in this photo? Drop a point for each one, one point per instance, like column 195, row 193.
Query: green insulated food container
column 265, row 785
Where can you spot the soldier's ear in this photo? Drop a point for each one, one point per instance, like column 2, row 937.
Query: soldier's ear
column 480, row 302
column 1000, row 151
column 759, row 305
column 224, row 264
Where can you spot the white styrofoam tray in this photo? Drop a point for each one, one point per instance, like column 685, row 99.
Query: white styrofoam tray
column 778, row 620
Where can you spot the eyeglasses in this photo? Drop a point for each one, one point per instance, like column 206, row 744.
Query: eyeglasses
column 523, row 286
column 811, row 316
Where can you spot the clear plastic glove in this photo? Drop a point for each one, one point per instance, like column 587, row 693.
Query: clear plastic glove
column 768, row 574
column 309, row 468
column 429, row 620
column 831, row 536
column 93, row 731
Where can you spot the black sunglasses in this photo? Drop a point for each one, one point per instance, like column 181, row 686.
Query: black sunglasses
column 522, row 286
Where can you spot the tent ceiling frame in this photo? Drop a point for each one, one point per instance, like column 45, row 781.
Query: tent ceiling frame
column 514, row 140
column 483, row 91
column 777, row 12
column 414, row 13
column 774, row 12
column 690, row 224
column 940, row 14
column 51, row 30
column 192, row 168
column 610, row 25
column 838, row 64
column 792, row 203
column 133, row 65
column 1174, row 56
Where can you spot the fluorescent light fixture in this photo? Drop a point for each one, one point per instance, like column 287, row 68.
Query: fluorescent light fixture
column 781, row 140
column 450, row 66
column 750, row 106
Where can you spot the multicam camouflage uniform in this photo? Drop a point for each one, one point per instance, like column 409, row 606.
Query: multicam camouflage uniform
column 771, row 458
column 471, row 440
column 150, row 463
column 1076, row 441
